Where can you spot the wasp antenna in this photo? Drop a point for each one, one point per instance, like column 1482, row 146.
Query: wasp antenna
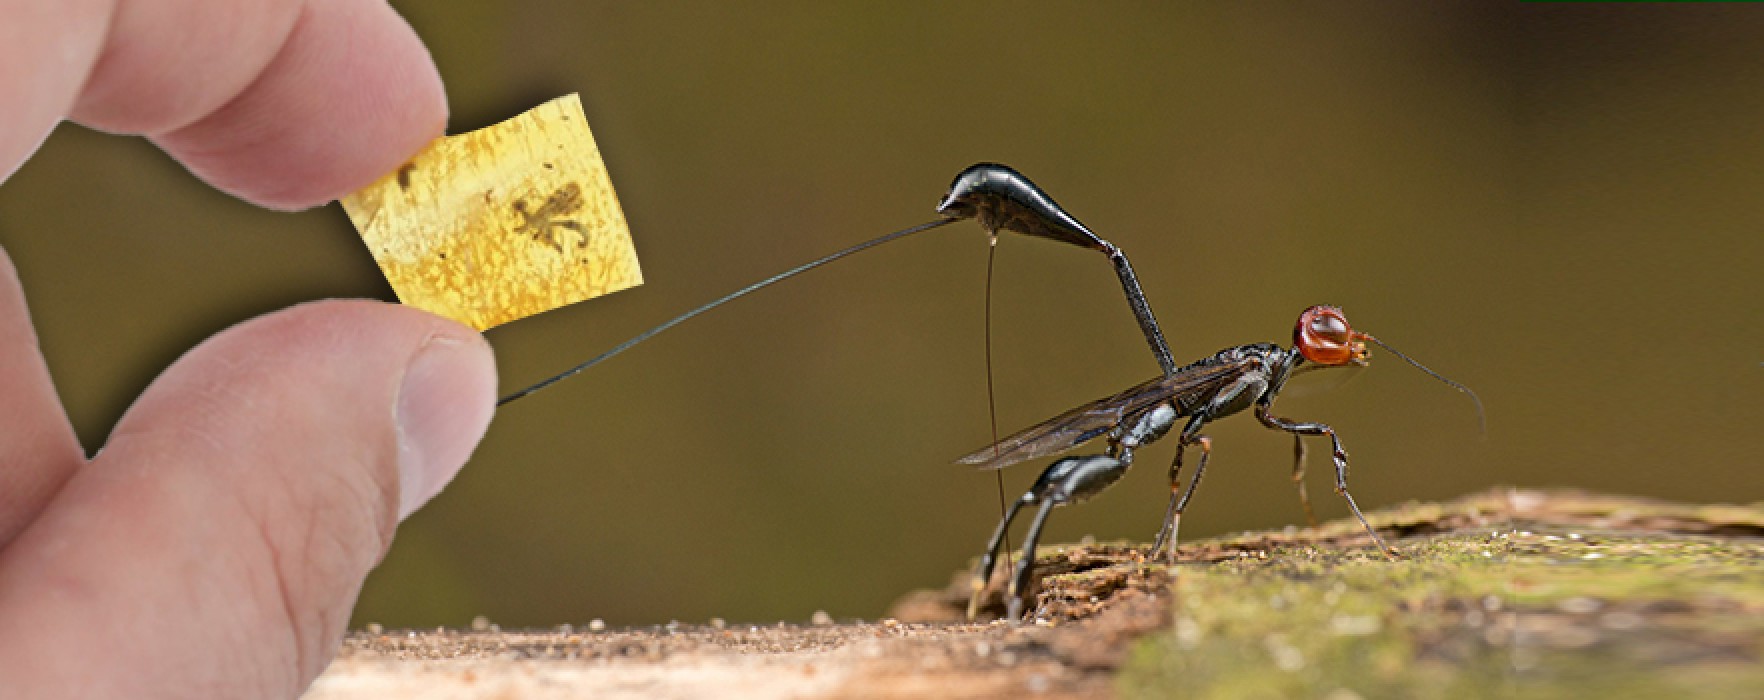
column 1481, row 417
column 744, row 291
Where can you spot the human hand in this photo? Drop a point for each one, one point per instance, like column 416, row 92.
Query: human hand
column 215, row 545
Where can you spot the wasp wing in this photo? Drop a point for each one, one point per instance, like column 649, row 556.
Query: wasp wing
column 1097, row 418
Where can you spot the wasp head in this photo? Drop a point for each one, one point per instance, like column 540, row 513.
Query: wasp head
column 1323, row 336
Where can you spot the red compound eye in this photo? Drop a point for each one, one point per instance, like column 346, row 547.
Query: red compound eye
column 1324, row 336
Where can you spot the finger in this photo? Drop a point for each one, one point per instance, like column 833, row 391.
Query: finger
column 285, row 103
column 38, row 450
column 47, row 48
column 224, row 531
column 351, row 94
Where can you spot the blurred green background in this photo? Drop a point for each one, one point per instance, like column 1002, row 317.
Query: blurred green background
column 1557, row 205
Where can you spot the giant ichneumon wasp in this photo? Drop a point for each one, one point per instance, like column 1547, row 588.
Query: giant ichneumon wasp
column 1001, row 199
column 1233, row 379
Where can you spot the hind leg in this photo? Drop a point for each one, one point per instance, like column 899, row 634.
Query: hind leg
column 1064, row 482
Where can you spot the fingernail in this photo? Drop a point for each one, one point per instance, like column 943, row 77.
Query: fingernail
column 444, row 407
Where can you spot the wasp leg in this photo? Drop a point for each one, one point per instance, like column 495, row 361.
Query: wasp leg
column 1341, row 463
column 1298, row 478
column 1249, row 385
column 989, row 560
column 581, row 233
column 1067, row 481
column 1166, row 539
column 1179, row 501
column 1020, row 582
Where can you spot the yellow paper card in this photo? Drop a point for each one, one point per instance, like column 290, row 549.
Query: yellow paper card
column 501, row 223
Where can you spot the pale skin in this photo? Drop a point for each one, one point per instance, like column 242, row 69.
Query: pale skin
column 215, row 543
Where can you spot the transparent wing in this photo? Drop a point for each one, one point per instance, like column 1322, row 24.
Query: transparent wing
column 1097, row 418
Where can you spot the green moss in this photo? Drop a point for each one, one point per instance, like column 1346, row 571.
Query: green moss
column 1523, row 612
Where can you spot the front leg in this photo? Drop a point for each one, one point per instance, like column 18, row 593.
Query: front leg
column 1341, row 464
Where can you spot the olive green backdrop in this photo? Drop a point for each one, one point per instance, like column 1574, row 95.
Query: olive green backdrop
column 1557, row 205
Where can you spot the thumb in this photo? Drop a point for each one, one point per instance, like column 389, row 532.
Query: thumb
column 219, row 540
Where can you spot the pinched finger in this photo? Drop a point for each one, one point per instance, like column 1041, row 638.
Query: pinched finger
column 284, row 103
column 222, row 534
column 38, row 449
